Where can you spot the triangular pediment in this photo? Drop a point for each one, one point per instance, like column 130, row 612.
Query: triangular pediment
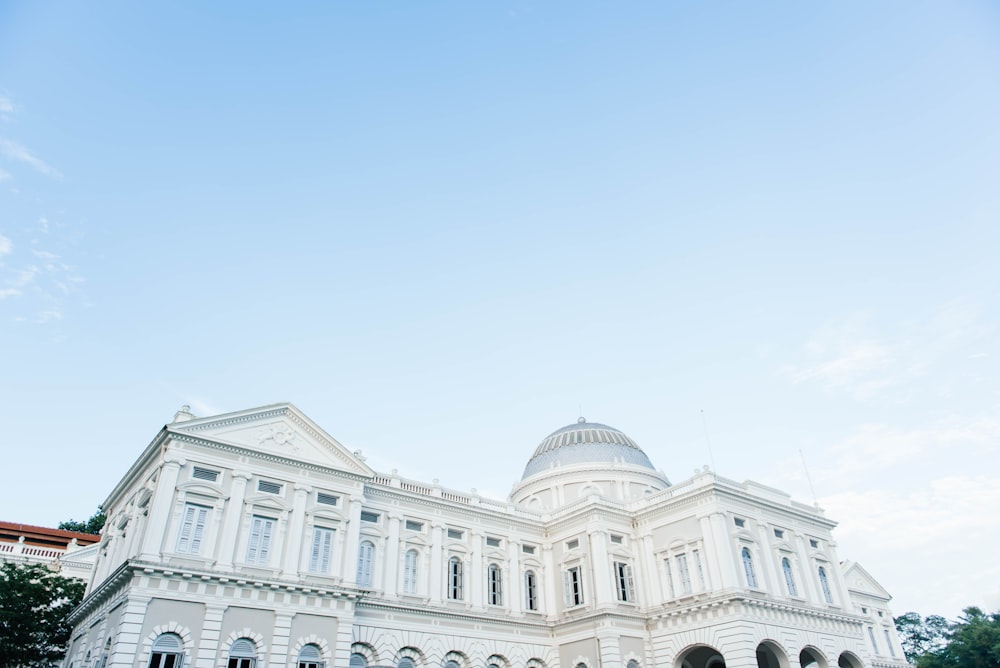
column 278, row 429
column 859, row 580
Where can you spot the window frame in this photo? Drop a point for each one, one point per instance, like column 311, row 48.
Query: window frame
column 365, row 563
column 455, row 579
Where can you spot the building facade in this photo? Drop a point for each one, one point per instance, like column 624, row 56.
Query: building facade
column 256, row 540
column 68, row 553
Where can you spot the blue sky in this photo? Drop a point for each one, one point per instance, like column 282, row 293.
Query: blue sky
column 444, row 229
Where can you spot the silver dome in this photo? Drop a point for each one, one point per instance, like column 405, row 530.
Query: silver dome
column 585, row 443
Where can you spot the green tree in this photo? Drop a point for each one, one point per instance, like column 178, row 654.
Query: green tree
column 921, row 635
column 973, row 642
column 93, row 525
column 34, row 603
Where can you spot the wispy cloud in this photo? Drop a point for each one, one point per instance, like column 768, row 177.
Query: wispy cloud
column 15, row 151
column 856, row 357
column 6, row 245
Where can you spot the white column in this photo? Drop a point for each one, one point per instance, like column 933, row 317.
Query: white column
column 551, row 582
column 160, row 507
column 602, row 568
column 353, row 539
column 767, row 560
column 710, row 555
column 476, row 572
column 808, row 585
column 293, row 545
column 211, row 631
column 435, row 588
column 648, row 573
column 231, row 520
column 724, row 550
column 514, row 586
column 392, row 556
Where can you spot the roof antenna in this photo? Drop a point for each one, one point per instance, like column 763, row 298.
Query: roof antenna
column 808, row 478
column 708, row 441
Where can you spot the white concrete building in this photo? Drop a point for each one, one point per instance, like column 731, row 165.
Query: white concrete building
column 256, row 540
column 68, row 553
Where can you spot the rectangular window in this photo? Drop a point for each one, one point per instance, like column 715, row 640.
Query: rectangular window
column 322, row 548
column 455, row 579
column 528, row 549
column 778, row 533
column 888, row 643
column 739, row 522
column 410, row 572
column 366, row 557
column 572, row 544
column 871, row 637
column 326, row 499
column 259, row 546
column 682, row 569
column 495, row 585
column 412, row 525
column 369, row 516
column 530, row 591
column 492, row 542
column 624, row 582
column 455, row 534
column 192, row 529
column 268, row 487
column 813, row 543
column 616, row 539
column 700, row 568
column 573, row 586
column 200, row 473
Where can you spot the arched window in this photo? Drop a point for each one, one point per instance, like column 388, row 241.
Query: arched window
column 451, row 664
column 748, row 568
column 167, row 651
column 495, row 584
column 825, row 586
column 455, row 579
column 358, row 661
column 410, row 572
column 632, row 663
column 366, row 553
column 530, row 590
column 311, row 657
column 242, row 654
column 405, row 662
column 786, row 567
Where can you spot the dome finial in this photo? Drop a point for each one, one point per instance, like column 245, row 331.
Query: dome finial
column 581, row 420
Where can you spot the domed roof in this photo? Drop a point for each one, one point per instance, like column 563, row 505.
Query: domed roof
column 585, row 443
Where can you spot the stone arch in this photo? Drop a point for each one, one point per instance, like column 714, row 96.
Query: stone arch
column 771, row 655
column 415, row 656
column 313, row 639
column 498, row 660
column 810, row 657
column 535, row 662
column 256, row 638
column 455, row 659
column 700, row 656
column 367, row 651
column 849, row 660
column 580, row 662
column 174, row 628
column 632, row 660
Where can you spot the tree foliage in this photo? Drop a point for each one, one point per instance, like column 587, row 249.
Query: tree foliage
column 34, row 603
column 93, row 525
column 921, row 635
column 971, row 642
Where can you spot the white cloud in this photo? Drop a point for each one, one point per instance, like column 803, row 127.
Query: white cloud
column 6, row 106
column 17, row 152
column 6, row 245
column 9, row 292
column 853, row 357
column 43, row 224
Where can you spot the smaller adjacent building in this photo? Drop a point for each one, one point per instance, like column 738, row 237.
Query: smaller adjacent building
column 69, row 552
